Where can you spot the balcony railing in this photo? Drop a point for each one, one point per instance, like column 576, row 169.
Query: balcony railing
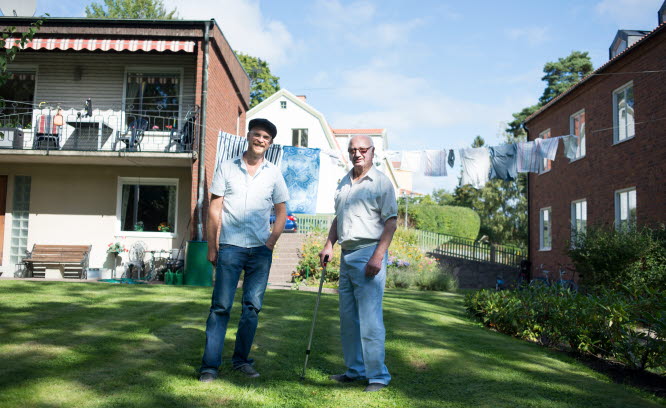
column 104, row 128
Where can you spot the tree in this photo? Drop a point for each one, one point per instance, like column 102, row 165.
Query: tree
column 10, row 53
column 262, row 83
column 564, row 73
column 139, row 9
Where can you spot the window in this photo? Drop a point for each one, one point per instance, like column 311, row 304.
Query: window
column 19, row 96
column 153, row 96
column 547, row 164
column 577, row 126
column 623, row 113
column 544, row 229
column 299, row 137
column 147, row 205
column 283, row 104
column 578, row 218
column 625, row 208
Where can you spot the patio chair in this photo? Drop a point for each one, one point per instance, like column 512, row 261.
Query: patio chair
column 135, row 260
column 183, row 137
column 133, row 135
column 47, row 133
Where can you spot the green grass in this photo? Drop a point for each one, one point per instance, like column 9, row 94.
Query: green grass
column 106, row 345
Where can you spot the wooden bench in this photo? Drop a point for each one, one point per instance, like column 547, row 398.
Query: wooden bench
column 58, row 261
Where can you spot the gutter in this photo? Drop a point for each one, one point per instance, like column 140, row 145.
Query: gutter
column 202, row 136
column 529, row 221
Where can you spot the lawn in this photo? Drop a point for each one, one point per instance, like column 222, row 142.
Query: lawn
column 104, row 345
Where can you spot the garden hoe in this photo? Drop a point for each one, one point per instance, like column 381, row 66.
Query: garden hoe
column 314, row 318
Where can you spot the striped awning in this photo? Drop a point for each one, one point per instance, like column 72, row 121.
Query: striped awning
column 94, row 44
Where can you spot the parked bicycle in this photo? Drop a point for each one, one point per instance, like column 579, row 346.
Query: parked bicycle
column 561, row 282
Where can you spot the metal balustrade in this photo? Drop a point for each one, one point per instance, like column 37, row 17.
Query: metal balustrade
column 103, row 128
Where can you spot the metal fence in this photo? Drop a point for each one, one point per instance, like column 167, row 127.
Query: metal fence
column 466, row 248
column 309, row 223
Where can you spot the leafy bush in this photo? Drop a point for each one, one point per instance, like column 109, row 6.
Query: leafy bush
column 407, row 266
column 627, row 327
column 446, row 219
column 620, row 259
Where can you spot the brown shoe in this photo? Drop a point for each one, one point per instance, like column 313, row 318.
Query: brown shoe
column 341, row 378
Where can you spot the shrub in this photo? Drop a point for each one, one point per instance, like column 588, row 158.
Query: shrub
column 628, row 327
column 447, row 219
column 629, row 259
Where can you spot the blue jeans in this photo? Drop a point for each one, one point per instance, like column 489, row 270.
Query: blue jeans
column 361, row 317
column 231, row 260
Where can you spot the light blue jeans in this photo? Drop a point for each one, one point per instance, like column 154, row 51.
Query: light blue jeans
column 231, row 260
column 361, row 317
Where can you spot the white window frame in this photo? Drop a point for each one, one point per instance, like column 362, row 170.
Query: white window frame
column 581, row 151
column 300, row 134
column 545, row 162
column 149, row 182
column 616, row 119
column 574, row 217
column 618, row 205
column 153, row 70
column 542, row 247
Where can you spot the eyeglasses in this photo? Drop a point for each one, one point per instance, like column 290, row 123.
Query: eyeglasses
column 362, row 150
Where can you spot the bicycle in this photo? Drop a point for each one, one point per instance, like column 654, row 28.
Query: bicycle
column 541, row 281
column 568, row 284
column 500, row 284
column 153, row 273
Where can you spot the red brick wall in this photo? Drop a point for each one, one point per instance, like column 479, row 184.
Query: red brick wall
column 226, row 98
column 639, row 162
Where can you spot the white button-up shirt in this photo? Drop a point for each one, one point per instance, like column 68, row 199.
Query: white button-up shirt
column 363, row 207
column 247, row 201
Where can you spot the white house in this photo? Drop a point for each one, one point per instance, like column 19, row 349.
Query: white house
column 299, row 124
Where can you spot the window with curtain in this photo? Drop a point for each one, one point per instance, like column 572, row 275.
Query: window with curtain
column 148, row 206
column 623, row 110
column 625, row 208
column 154, row 97
column 545, row 229
column 547, row 164
column 577, row 122
column 17, row 96
column 578, row 218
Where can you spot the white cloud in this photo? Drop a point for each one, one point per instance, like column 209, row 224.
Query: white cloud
column 630, row 14
column 244, row 26
column 533, row 35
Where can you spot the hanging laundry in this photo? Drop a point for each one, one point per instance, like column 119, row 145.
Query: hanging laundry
column 475, row 164
column 570, row 146
column 411, row 160
column 452, row 158
column 503, row 162
column 547, row 148
column 435, row 163
column 334, row 156
column 300, row 168
column 528, row 159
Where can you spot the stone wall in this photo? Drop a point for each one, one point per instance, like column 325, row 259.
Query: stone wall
column 475, row 274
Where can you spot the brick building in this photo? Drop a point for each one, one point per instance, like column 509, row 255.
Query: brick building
column 618, row 176
column 105, row 125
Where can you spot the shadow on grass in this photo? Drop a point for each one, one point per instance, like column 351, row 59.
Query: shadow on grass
column 141, row 346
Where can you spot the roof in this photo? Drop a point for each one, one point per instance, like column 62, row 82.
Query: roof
column 599, row 70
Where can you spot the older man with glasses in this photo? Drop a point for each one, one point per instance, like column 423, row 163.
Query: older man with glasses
column 366, row 218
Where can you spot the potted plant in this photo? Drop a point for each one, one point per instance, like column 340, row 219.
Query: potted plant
column 115, row 248
column 164, row 227
column 138, row 226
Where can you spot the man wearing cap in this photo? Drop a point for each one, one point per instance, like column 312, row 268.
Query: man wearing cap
column 365, row 221
column 243, row 191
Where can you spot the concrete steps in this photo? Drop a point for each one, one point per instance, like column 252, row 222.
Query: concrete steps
column 285, row 258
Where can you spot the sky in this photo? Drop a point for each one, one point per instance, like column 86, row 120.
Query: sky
column 434, row 73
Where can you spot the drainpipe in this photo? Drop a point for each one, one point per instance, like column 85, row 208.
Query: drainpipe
column 529, row 221
column 202, row 137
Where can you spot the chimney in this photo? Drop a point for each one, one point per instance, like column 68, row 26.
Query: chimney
column 661, row 14
column 302, row 97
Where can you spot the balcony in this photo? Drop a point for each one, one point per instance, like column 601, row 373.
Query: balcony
column 105, row 131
